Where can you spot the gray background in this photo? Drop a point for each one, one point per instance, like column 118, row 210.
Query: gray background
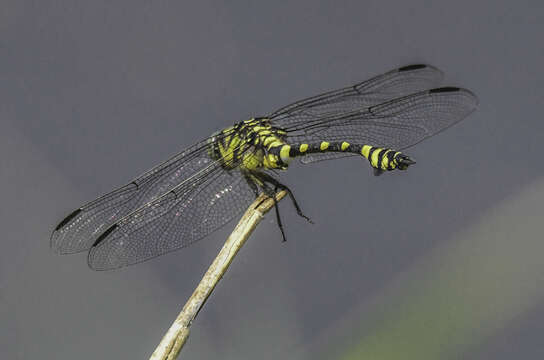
column 442, row 261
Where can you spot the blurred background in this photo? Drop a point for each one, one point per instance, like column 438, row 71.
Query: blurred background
column 440, row 262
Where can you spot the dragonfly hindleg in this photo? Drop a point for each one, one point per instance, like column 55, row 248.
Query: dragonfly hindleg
column 265, row 180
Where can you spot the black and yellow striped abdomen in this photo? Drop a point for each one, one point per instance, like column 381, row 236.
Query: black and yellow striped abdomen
column 380, row 158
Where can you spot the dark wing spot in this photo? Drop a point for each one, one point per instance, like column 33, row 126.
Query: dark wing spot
column 412, row 67
column 67, row 219
column 444, row 89
column 104, row 235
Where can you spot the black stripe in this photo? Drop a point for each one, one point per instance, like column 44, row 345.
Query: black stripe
column 390, row 157
column 380, row 158
column 358, row 149
column 276, row 151
column 314, row 148
column 215, row 149
column 370, row 152
column 334, row 147
column 294, row 151
column 105, row 234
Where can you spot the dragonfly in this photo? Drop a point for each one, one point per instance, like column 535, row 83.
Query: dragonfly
column 197, row 191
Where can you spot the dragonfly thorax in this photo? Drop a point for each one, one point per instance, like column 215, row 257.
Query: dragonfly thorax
column 249, row 145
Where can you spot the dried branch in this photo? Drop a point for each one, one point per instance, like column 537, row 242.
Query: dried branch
column 177, row 335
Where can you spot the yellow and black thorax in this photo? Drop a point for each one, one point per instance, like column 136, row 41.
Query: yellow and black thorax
column 250, row 145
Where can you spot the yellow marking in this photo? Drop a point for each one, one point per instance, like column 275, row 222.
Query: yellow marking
column 284, row 153
column 270, row 161
column 234, row 142
column 324, row 146
column 275, row 143
column 252, row 161
column 393, row 163
column 227, row 129
column 226, row 154
column 250, row 121
column 303, row 148
column 264, row 132
column 221, row 148
column 385, row 161
column 226, row 140
column 375, row 158
column 365, row 150
column 344, row 146
column 268, row 140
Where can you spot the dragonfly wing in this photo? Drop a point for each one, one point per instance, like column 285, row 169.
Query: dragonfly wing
column 78, row 231
column 393, row 84
column 175, row 220
column 396, row 124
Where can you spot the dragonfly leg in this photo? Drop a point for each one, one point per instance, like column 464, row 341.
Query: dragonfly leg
column 263, row 180
column 277, row 185
column 252, row 184
column 272, row 193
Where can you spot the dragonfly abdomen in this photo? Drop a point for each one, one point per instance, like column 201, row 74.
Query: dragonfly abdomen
column 382, row 159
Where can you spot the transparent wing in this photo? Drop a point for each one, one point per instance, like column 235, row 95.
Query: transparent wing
column 397, row 124
column 393, row 84
column 79, row 230
column 175, row 220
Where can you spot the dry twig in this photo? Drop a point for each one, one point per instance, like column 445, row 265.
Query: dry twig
column 177, row 335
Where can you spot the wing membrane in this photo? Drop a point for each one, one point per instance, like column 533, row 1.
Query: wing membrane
column 393, row 84
column 79, row 230
column 175, row 220
column 397, row 124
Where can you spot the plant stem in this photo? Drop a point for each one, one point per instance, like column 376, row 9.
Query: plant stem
column 174, row 339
